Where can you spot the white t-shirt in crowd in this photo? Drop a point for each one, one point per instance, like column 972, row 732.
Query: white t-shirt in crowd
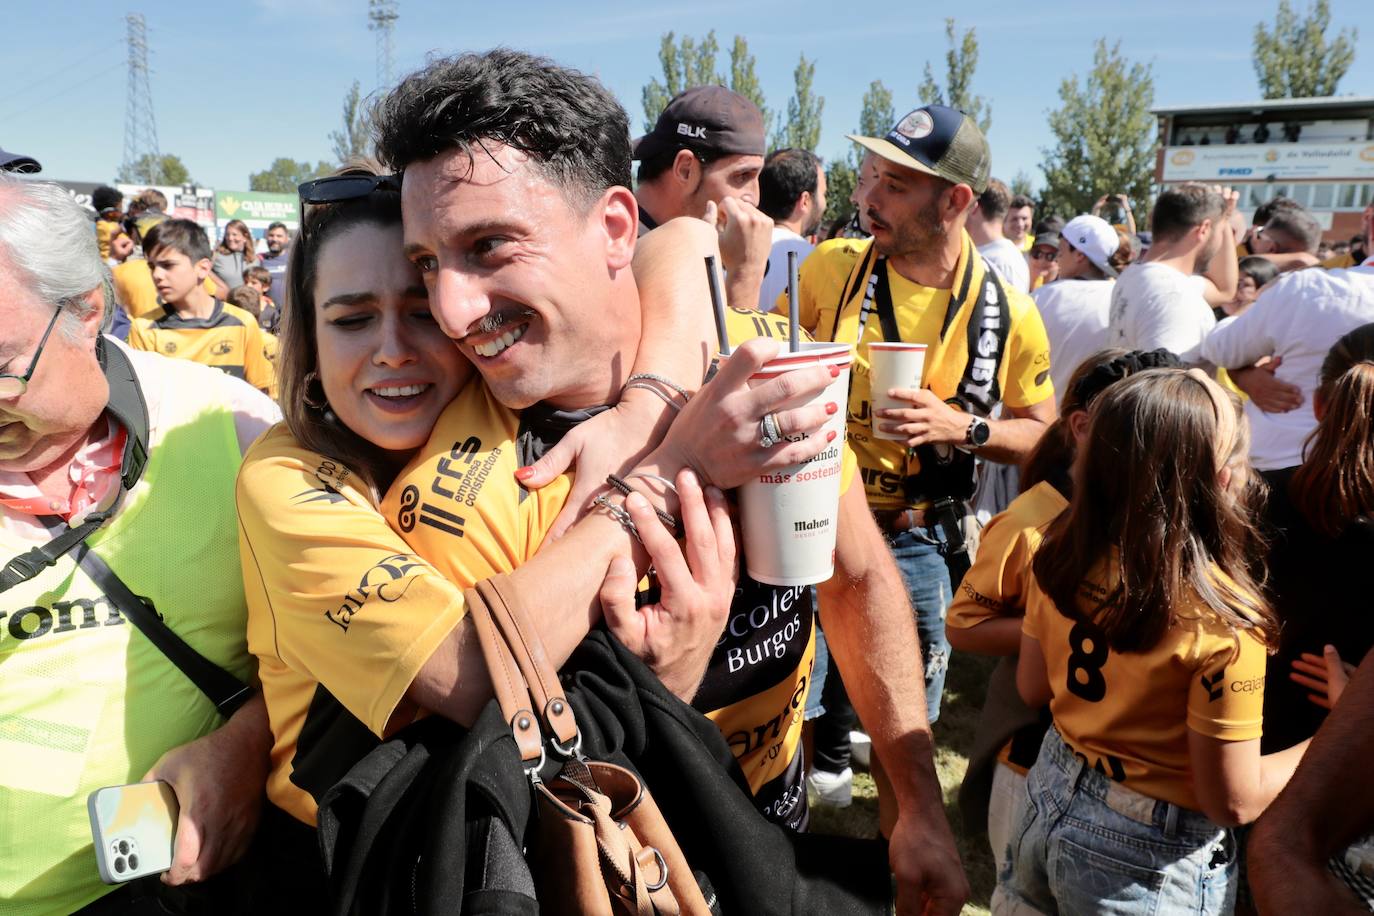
column 1298, row 317
column 1154, row 306
column 1075, row 315
column 775, row 274
column 1009, row 262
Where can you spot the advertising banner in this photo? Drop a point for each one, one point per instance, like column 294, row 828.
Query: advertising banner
column 1265, row 161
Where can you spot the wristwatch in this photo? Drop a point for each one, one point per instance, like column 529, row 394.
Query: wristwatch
column 978, row 433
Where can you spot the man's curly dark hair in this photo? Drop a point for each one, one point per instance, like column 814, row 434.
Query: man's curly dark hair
column 567, row 122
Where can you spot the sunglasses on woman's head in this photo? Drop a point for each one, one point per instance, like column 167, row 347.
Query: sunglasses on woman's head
column 337, row 188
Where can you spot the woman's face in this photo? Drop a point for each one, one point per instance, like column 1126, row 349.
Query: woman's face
column 386, row 367
column 235, row 239
column 1246, row 293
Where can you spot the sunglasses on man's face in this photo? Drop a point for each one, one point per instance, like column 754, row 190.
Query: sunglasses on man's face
column 1045, row 255
column 338, row 188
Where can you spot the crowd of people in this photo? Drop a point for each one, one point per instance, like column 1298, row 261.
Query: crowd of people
column 248, row 499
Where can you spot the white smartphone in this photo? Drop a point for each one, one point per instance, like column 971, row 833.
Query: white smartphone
column 134, row 828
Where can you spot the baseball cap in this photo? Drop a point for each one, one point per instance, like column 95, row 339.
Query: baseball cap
column 1095, row 239
column 938, row 141
column 14, row 162
column 706, row 119
column 1048, row 239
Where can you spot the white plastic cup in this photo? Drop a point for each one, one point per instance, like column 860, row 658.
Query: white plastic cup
column 788, row 518
column 892, row 365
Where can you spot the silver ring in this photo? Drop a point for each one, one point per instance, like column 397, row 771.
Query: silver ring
column 769, row 432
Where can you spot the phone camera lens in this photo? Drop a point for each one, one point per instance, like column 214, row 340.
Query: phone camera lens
column 123, row 847
column 133, row 863
column 119, row 865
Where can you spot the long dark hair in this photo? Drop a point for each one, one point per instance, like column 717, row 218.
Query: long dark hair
column 1147, row 486
column 298, row 385
column 1335, row 485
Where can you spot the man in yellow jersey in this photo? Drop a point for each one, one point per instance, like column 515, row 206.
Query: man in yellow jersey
column 920, row 280
column 191, row 324
column 134, row 456
column 525, row 252
column 1020, row 217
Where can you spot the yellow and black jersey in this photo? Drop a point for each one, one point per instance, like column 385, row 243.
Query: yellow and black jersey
column 342, row 615
column 464, row 479
column 1023, row 376
column 996, row 583
column 133, row 283
column 1128, row 713
column 229, row 340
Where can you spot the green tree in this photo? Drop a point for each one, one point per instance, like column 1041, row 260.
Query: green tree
column 1021, row 184
column 166, row 169
column 685, row 64
column 802, row 128
column 961, row 60
column 1104, row 136
column 875, row 119
column 877, row 115
column 355, row 139
column 283, row 175
column 743, row 78
column 1293, row 59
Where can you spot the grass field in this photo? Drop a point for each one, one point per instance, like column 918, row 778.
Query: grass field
column 964, row 689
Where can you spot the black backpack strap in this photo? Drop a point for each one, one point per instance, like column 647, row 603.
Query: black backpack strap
column 129, row 409
column 227, row 692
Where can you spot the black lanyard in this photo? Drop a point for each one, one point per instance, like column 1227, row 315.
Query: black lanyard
column 127, row 407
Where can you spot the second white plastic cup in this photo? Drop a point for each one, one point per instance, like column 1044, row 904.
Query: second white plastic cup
column 892, row 365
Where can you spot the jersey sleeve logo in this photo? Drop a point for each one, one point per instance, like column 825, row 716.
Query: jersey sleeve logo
column 1214, row 685
column 169, row 347
column 380, row 582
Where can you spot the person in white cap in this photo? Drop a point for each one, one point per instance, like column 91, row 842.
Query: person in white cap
column 1075, row 307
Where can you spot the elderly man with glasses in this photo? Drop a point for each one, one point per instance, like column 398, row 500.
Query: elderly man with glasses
column 122, row 616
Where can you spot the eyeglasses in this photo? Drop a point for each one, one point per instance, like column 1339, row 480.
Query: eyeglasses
column 1045, row 255
column 338, row 188
column 12, row 386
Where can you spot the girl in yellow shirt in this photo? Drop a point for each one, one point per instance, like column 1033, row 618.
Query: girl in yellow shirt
column 1145, row 634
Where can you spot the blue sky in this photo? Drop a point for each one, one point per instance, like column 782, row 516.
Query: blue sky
column 236, row 84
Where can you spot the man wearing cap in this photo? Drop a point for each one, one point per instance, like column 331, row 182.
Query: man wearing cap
column 920, row 280
column 703, row 159
column 1074, row 307
column 18, row 163
column 1043, row 258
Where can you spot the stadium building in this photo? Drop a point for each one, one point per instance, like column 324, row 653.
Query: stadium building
column 1320, row 152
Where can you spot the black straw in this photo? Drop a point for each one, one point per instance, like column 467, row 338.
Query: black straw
column 717, row 304
column 793, row 312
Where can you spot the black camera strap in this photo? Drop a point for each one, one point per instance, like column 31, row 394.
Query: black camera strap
column 129, row 409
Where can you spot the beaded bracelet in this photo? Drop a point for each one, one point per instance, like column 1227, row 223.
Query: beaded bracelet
column 667, row 399
column 666, row 382
column 625, row 489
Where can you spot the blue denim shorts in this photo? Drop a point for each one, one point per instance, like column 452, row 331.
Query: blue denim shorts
column 1086, row 844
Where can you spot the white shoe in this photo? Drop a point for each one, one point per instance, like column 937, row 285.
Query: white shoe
column 860, row 748
column 833, row 789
